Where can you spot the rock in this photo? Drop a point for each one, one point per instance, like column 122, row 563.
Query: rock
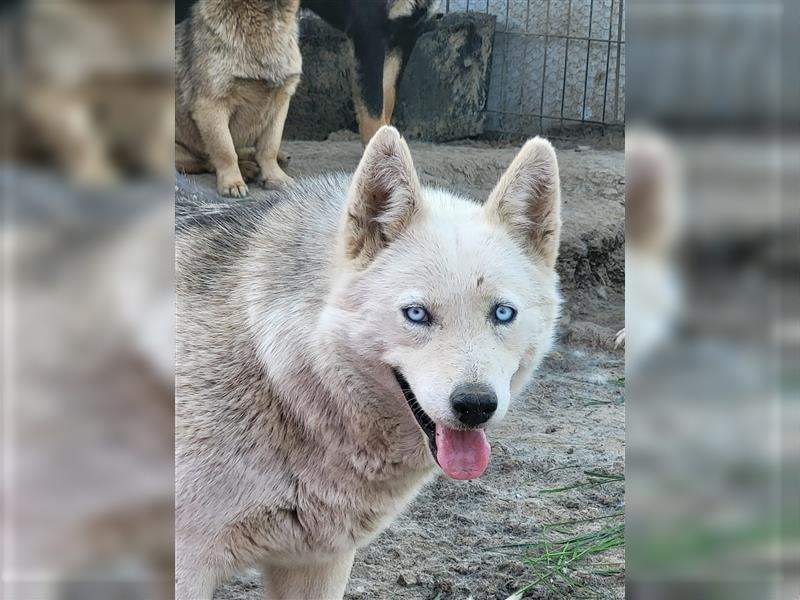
column 441, row 97
column 588, row 334
column 343, row 135
column 323, row 102
column 407, row 578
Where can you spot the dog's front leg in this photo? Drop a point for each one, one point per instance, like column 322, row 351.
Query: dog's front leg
column 212, row 118
column 193, row 583
column 318, row 581
column 269, row 141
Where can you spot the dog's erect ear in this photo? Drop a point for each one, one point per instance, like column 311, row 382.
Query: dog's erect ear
column 527, row 200
column 384, row 197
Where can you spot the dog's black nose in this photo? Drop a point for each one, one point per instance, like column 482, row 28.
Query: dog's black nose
column 473, row 403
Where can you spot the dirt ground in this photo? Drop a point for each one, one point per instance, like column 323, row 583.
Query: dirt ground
column 572, row 419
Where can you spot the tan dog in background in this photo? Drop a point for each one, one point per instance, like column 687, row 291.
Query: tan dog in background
column 238, row 64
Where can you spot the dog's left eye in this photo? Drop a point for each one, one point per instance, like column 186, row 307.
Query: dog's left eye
column 417, row 314
column 503, row 313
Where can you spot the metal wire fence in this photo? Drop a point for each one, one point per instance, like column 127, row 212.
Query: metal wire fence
column 555, row 63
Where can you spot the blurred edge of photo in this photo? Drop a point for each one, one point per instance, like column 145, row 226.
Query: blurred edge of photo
column 88, row 299
column 711, row 302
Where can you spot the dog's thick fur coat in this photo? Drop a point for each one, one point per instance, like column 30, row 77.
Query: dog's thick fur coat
column 294, row 442
column 238, row 64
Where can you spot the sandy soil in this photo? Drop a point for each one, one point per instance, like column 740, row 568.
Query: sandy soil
column 572, row 418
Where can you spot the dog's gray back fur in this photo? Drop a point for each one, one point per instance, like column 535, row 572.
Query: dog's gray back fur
column 296, row 229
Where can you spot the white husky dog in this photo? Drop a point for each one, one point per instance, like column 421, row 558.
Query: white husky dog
column 335, row 345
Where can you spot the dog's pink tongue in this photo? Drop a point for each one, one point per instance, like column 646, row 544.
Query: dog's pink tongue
column 462, row 454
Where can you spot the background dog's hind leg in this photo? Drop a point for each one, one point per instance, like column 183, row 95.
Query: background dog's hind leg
column 249, row 154
column 323, row 581
column 186, row 162
column 250, row 170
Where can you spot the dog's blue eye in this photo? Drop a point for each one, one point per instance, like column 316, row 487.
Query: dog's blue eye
column 417, row 314
column 503, row 313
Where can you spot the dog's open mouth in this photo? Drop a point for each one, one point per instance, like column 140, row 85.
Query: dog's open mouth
column 461, row 453
column 423, row 420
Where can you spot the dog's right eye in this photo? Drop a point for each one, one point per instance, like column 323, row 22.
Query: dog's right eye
column 417, row 314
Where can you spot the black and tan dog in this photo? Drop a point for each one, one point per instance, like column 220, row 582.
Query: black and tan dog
column 382, row 34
